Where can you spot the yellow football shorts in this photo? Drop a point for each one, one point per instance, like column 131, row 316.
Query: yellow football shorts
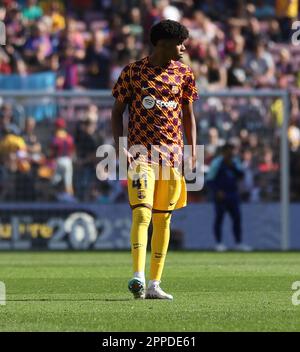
column 160, row 193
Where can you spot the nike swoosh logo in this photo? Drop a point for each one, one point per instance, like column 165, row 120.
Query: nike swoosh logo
column 144, row 88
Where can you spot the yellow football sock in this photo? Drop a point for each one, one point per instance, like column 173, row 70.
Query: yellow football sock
column 159, row 243
column 141, row 217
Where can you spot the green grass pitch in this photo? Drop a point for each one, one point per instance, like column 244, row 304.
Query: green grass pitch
column 88, row 292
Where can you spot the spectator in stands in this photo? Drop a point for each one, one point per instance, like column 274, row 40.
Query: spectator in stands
column 3, row 12
column 235, row 42
column 5, row 64
column 38, row 46
column 15, row 169
column 135, row 26
column 72, row 37
column 294, row 137
column 54, row 16
column 34, row 148
column 216, row 74
column 294, row 141
column 213, row 144
column 12, row 142
column 223, row 177
column 15, row 60
column 237, row 73
column 62, row 150
column 284, row 71
column 86, row 148
column 32, row 11
column 7, row 121
column 98, row 59
column 267, row 164
column 132, row 47
column 15, row 28
column 16, row 179
column 68, row 77
column 286, row 12
column 249, row 191
column 274, row 32
column 269, row 178
column 200, row 71
column 252, row 33
column 261, row 67
column 203, row 28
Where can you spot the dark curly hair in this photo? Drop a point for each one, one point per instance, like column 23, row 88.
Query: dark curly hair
column 168, row 29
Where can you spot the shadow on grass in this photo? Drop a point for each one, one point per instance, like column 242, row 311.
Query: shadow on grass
column 70, row 300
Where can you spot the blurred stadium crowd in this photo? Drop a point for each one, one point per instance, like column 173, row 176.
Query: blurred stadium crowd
column 233, row 44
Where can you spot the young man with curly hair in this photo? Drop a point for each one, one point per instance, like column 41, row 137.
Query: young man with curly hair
column 159, row 91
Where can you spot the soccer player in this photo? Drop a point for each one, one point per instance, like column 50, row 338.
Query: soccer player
column 159, row 91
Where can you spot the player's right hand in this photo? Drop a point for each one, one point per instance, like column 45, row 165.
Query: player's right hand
column 131, row 163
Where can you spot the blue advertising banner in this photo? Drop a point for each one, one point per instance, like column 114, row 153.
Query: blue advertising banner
column 38, row 108
column 40, row 81
column 98, row 227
